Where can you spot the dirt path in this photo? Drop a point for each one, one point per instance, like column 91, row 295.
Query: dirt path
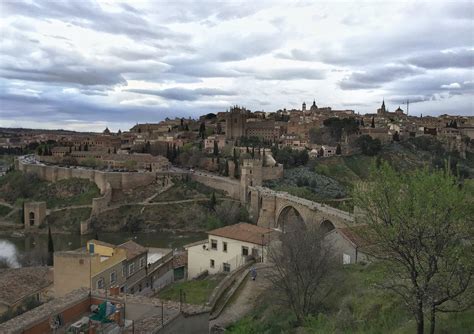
column 245, row 299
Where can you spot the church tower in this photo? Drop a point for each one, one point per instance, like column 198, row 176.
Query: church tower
column 382, row 109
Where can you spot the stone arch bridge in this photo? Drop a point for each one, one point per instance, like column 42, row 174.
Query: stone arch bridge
column 281, row 210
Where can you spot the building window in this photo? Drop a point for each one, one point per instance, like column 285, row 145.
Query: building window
column 224, row 246
column 124, row 271
column 131, row 268
column 142, row 262
column 346, row 259
column 212, row 263
column 100, row 283
column 213, row 244
column 245, row 251
column 226, row 267
column 113, row 277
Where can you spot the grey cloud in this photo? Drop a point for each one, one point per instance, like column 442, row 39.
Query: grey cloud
column 183, row 94
column 290, row 74
column 89, row 14
column 463, row 58
column 376, row 76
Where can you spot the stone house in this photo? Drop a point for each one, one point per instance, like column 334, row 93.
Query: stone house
column 348, row 244
column 19, row 286
column 227, row 248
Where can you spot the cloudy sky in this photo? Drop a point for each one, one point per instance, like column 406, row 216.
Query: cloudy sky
column 84, row 65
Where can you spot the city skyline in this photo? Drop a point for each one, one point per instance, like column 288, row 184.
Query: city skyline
column 87, row 65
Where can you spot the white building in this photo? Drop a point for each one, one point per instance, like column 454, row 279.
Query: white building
column 328, row 151
column 227, row 248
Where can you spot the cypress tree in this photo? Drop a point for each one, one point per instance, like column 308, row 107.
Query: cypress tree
column 226, row 169
column 213, row 201
column 373, row 122
column 338, row 149
column 216, row 148
column 50, row 248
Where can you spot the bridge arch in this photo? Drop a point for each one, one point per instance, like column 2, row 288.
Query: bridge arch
column 289, row 218
column 326, row 226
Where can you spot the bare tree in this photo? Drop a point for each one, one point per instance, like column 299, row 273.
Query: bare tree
column 304, row 269
column 422, row 230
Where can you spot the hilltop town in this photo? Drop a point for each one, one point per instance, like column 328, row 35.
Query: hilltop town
column 238, row 182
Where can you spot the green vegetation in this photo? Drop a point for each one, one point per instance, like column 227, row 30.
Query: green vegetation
column 68, row 220
column 186, row 189
column 4, row 210
column 195, row 292
column 368, row 145
column 16, row 187
column 356, row 306
column 420, row 223
column 289, row 157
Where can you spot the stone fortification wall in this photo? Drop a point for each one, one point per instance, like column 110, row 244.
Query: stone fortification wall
column 99, row 204
column 272, row 172
column 117, row 180
column 231, row 187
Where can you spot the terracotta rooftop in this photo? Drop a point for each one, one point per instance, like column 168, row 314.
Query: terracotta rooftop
column 101, row 243
column 356, row 235
column 18, row 283
column 244, row 232
column 132, row 248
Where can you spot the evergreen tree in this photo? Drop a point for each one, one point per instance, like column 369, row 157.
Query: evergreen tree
column 39, row 150
column 50, row 248
column 202, row 130
column 96, row 236
column 115, row 150
column 338, row 149
column 362, row 122
column 186, row 127
column 168, row 154
column 396, row 136
column 373, row 122
column 86, row 147
column 226, row 168
column 216, row 148
column 213, row 201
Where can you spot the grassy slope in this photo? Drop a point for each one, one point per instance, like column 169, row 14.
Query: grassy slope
column 68, row 220
column 197, row 292
column 356, row 307
column 185, row 190
column 16, row 187
column 4, row 210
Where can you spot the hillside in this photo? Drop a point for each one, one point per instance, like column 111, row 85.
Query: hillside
column 356, row 306
column 330, row 180
column 16, row 187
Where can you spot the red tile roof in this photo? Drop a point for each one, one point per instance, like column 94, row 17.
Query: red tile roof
column 244, row 232
column 133, row 249
column 357, row 235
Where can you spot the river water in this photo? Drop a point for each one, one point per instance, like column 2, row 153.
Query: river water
column 11, row 248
